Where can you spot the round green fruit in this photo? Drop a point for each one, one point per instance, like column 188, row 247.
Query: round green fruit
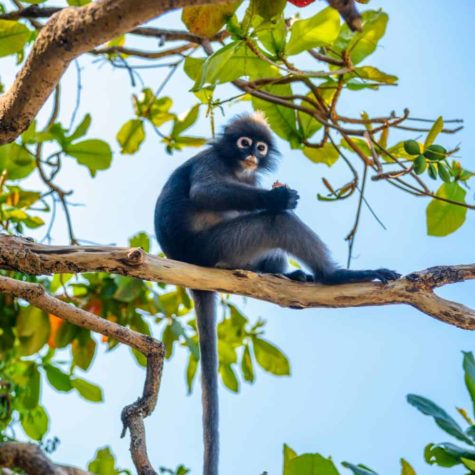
column 412, row 147
column 420, row 164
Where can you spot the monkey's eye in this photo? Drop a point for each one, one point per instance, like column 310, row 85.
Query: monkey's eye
column 244, row 142
column 262, row 147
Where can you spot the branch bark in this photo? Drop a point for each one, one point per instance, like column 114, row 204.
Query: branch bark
column 416, row 289
column 69, row 33
column 32, row 460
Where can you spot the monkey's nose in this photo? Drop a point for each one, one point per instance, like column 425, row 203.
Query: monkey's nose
column 251, row 159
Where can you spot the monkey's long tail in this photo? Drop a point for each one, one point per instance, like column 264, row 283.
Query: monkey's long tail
column 205, row 303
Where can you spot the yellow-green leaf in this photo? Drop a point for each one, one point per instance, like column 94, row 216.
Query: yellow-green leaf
column 326, row 154
column 87, row 390
column 35, row 423
column 444, row 218
column 318, row 30
column 406, row 468
column 270, row 357
column 435, row 130
column 229, row 377
column 33, row 329
column 16, row 160
column 130, row 136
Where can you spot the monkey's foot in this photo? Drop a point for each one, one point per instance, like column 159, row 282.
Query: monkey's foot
column 299, row 276
column 346, row 276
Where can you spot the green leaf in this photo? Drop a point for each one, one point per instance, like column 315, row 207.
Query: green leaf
column 310, row 464
column 469, row 370
column 270, row 358
column 31, row 394
column 103, row 463
column 192, row 67
column 83, row 352
column 128, row 289
column 441, row 418
column 130, row 136
column 87, row 390
column 362, row 44
column 374, row 74
column 65, row 334
column 233, row 61
column 94, row 154
column 406, row 468
column 13, row 37
column 16, row 160
column 247, row 367
column 434, row 132
column 186, row 121
column 273, row 36
column 33, row 329
column 228, row 376
column 359, row 469
column 140, row 240
column 207, row 20
column 444, row 218
column 59, row 380
column 446, row 454
column 35, row 423
column 319, row 30
column 81, row 129
column 326, row 154
column 78, row 3
column 308, row 125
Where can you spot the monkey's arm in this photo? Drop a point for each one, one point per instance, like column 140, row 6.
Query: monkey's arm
column 227, row 195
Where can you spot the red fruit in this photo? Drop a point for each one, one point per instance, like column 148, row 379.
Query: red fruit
column 301, row 3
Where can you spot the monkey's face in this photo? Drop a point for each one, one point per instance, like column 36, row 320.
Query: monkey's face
column 247, row 144
column 251, row 152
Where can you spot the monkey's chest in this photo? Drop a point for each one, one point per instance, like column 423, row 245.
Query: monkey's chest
column 202, row 220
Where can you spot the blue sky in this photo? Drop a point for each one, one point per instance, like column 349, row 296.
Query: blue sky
column 351, row 368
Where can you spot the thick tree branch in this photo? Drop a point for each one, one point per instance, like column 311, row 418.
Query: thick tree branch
column 69, row 33
column 153, row 350
column 415, row 289
column 32, row 460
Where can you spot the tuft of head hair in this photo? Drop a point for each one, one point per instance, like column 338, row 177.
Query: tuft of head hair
column 260, row 118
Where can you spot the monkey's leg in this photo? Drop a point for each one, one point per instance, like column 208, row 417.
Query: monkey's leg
column 242, row 241
column 275, row 262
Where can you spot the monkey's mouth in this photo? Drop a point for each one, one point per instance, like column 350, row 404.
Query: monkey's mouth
column 250, row 162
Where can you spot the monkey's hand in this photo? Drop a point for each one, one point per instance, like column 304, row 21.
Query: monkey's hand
column 281, row 198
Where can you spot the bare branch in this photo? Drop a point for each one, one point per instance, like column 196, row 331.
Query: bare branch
column 416, row 290
column 69, row 33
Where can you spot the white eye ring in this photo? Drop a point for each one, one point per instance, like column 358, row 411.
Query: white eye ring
column 244, row 142
column 262, row 147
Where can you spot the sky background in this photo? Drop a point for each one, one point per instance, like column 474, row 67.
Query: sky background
column 351, row 368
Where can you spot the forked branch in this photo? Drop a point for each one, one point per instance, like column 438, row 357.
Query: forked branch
column 153, row 350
